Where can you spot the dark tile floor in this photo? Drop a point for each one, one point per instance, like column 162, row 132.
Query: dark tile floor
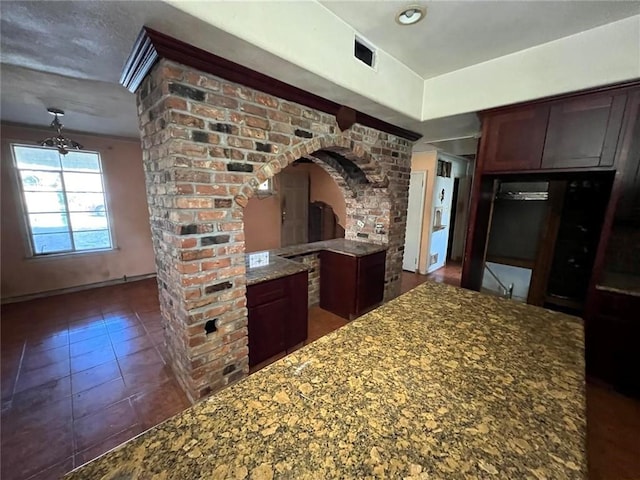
column 449, row 274
column 81, row 373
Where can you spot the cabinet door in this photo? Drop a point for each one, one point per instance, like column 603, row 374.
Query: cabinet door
column 629, row 161
column 338, row 283
column 267, row 330
column 514, row 139
column 297, row 320
column 611, row 337
column 583, row 132
column 370, row 281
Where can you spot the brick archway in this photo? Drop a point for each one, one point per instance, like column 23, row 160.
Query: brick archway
column 207, row 144
column 340, row 144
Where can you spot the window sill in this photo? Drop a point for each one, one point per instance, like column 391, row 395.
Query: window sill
column 63, row 255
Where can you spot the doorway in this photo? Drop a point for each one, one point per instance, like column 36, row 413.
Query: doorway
column 415, row 214
column 294, row 207
column 452, row 220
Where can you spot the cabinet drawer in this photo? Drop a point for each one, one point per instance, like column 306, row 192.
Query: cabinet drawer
column 266, row 292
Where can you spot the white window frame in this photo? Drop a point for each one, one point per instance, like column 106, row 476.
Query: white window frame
column 24, row 211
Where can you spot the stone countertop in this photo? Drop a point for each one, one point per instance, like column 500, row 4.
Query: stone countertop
column 338, row 245
column 278, row 267
column 438, row 383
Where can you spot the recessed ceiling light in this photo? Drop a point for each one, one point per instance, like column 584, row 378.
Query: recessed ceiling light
column 411, row 15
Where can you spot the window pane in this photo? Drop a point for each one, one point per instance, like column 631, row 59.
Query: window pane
column 82, row 161
column 44, row 201
column 37, row 158
column 40, row 181
column 88, row 221
column 49, row 223
column 82, row 182
column 86, row 202
column 92, row 240
column 52, row 242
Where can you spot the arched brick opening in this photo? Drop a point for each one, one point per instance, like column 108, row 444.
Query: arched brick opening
column 207, row 144
column 340, row 144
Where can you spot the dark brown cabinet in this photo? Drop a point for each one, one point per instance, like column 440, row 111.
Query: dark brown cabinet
column 628, row 208
column 583, row 132
column 514, row 140
column 350, row 286
column 573, row 133
column 612, row 331
column 586, row 137
column 277, row 316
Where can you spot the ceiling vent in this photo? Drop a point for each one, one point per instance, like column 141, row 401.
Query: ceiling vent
column 365, row 52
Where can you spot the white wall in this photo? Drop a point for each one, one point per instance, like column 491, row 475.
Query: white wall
column 600, row 56
column 320, row 60
column 323, row 47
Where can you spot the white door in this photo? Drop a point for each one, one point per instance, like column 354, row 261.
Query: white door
column 294, row 198
column 415, row 214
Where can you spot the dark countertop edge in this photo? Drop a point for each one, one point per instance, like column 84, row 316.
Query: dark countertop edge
column 285, row 254
column 285, row 266
column 315, row 247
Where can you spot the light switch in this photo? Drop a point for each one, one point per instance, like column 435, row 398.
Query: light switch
column 258, row 259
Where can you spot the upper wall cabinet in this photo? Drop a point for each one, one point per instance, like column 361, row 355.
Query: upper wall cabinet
column 629, row 149
column 571, row 133
column 583, row 132
column 515, row 139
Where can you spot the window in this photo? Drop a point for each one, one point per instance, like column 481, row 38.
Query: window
column 64, row 200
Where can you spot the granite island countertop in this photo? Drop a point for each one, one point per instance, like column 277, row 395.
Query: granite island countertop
column 280, row 265
column 438, row 383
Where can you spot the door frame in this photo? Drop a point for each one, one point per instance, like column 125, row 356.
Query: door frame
column 423, row 174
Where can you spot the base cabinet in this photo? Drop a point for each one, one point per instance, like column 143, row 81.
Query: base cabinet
column 350, row 286
column 278, row 314
column 612, row 331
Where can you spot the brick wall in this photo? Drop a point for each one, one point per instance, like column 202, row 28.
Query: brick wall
column 313, row 261
column 207, row 144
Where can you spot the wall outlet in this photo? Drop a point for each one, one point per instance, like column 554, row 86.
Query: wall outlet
column 433, row 259
column 360, row 224
column 258, row 259
column 379, row 228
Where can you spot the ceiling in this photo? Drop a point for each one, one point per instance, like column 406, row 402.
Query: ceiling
column 89, row 105
column 457, row 34
column 69, row 54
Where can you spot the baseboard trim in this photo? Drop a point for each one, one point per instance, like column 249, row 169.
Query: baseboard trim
column 79, row 288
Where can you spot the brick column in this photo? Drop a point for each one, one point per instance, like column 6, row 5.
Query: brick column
column 207, row 144
column 197, row 232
